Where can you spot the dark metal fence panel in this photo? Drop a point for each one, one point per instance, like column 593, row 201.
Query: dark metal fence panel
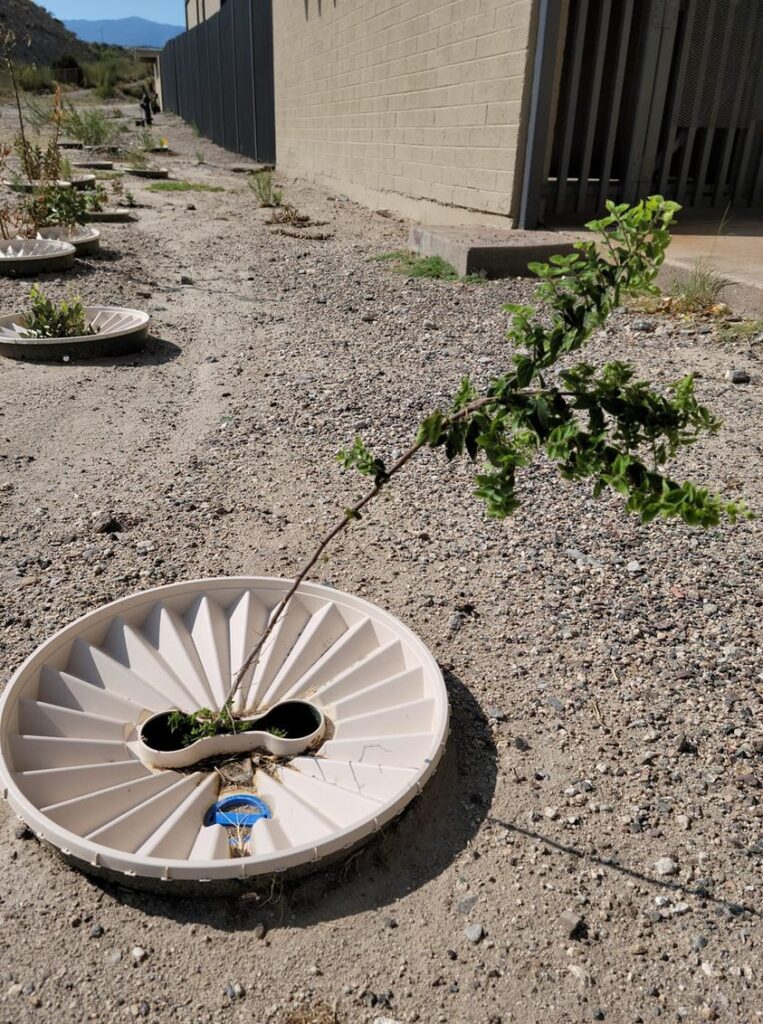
column 243, row 51
column 264, row 87
column 655, row 96
column 214, row 74
column 202, row 79
column 219, row 77
column 229, row 99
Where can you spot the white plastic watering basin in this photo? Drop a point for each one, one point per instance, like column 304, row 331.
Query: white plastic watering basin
column 73, row 761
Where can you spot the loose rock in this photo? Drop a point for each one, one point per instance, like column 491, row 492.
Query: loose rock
column 738, row 376
column 666, row 866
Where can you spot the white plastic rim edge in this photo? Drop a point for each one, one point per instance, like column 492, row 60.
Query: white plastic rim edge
column 53, row 249
column 72, row 845
column 138, row 321
column 79, row 234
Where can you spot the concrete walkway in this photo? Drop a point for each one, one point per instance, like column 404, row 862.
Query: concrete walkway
column 735, row 252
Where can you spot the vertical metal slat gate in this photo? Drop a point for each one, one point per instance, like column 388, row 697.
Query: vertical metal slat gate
column 631, row 98
column 219, row 77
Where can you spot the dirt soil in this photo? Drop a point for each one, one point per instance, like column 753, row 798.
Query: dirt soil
column 605, row 677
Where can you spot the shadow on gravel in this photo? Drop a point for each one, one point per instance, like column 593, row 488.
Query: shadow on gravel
column 409, row 852
column 699, row 889
column 155, row 352
column 105, row 255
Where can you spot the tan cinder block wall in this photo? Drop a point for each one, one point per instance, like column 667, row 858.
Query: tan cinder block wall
column 191, row 13
column 197, row 11
column 421, row 98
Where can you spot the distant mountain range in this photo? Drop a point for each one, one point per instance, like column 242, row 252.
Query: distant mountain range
column 41, row 38
column 124, row 31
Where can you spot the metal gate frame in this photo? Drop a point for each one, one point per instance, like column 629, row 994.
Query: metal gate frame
column 623, row 62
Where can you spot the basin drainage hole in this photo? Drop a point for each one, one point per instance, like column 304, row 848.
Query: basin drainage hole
column 238, row 814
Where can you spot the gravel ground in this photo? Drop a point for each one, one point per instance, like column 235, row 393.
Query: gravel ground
column 592, row 846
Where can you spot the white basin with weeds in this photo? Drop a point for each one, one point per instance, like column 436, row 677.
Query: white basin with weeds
column 117, row 331
column 348, row 708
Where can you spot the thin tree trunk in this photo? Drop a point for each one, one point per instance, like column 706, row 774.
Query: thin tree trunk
column 336, row 529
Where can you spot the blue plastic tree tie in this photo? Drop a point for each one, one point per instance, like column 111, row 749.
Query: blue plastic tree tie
column 237, row 810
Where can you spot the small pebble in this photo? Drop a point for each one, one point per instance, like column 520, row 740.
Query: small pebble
column 644, row 325
column 738, row 376
column 570, row 923
column 666, row 866
column 107, row 524
column 475, row 933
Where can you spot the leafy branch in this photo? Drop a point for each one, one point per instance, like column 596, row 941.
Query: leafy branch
column 595, row 424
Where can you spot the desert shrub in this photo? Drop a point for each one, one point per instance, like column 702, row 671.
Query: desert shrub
column 107, row 82
column 38, row 164
column 112, row 72
column 47, row 319
column 67, row 70
column 261, row 183
column 90, row 126
column 33, row 78
column 96, row 199
column 699, row 291
column 137, row 158
column 52, row 205
column 146, row 140
column 38, row 113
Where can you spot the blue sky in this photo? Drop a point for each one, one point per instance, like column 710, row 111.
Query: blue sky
column 168, row 12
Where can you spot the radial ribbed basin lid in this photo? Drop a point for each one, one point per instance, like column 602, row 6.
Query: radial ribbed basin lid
column 32, row 248
column 118, row 331
column 71, row 716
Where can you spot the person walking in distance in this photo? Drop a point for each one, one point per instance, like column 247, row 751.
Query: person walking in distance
column 145, row 106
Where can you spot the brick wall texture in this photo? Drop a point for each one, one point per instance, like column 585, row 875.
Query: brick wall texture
column 197, row 11
column 420, row 97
